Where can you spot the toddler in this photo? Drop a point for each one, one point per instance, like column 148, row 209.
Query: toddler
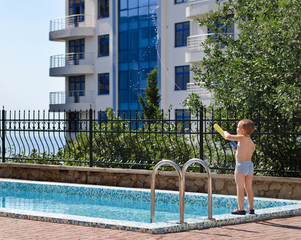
column 244, row 166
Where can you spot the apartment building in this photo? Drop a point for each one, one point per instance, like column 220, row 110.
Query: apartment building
column 111, row 46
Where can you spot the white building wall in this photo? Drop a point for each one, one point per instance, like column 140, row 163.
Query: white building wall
column 172, row 56
column 104, row 64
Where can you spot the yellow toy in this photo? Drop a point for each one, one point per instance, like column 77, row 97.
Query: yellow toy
column 221, row 131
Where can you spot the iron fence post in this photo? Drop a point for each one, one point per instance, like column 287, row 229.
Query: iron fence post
column 201, row 137
column 201, row 134
column 3, row 135
column 90, row 137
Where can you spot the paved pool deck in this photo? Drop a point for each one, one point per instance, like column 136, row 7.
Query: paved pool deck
column 288, row 228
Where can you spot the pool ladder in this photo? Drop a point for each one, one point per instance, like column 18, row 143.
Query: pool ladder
column 181, row 175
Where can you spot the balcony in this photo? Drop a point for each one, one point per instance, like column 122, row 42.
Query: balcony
column 205, row 96
column 71, row 64
column 70, row 27
column 71, row 100
column 195, row 51
column 200, row 7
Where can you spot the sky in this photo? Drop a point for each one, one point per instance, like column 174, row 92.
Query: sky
column 25, row 52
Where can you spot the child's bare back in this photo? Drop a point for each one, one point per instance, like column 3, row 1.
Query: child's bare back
column 245, row 148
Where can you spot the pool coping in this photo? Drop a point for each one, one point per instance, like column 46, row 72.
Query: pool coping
column 153, row 228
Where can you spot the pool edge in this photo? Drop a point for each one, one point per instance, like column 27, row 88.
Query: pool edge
column 155, row 228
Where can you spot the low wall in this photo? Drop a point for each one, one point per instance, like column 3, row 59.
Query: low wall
column 271, row 187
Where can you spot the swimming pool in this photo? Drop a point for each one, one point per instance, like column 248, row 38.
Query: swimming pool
column 126, row 208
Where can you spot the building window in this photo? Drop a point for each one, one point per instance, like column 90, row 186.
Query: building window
column 182, row 76
column 77, row 7
column 76, row 50
column 103, row 45
column 224, row 30
column 77, row 46
column 76, row 88
column 182, row 31
column 183, row 116
column 180, row 1
column 103, row 8
column 73, row 121
column 103, row 83
column 102, row 117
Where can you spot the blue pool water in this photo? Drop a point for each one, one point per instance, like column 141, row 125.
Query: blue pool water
column 126, row 208
column 113, row 203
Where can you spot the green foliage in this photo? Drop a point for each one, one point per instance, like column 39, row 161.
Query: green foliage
column 151, row 102
column 116, row 142
column 262, row 67
column 278, row 144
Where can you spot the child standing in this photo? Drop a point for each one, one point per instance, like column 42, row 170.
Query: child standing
column 244, row 166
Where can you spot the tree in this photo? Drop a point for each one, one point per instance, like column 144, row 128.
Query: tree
column 260, row 69
column 151, row 102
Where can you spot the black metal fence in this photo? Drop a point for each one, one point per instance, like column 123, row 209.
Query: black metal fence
column 101, row 139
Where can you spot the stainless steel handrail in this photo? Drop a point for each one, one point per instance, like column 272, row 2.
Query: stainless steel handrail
column 71, row 21
column 153, row 184
column 204, row 164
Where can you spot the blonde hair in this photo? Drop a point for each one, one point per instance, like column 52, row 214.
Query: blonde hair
column 247, row 125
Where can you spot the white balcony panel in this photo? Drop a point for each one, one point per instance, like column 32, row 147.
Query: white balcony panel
column 69, row 107
column 194, row 57
column 71, row 70
column 72, row 26
column 70, row 33
column 200, row 7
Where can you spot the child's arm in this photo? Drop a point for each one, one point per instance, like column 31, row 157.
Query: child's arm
column 231, row 137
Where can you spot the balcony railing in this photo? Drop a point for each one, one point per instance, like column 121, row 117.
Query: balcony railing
column 199, row 90
column 67, row 97
column 204, row 1
column 194, row 43
column 78, row 20
column 68, row 59
column 194, row 88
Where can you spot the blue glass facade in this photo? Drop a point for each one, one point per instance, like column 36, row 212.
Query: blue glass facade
column 137, row 49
